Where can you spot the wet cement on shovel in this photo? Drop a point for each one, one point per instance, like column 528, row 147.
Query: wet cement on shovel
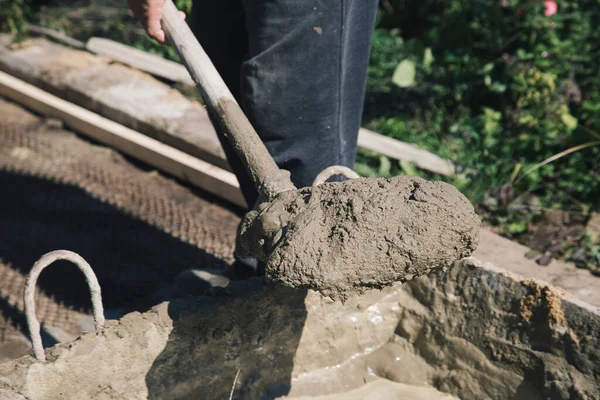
column 368, row 233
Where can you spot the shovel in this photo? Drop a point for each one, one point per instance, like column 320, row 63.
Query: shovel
column 339, row 237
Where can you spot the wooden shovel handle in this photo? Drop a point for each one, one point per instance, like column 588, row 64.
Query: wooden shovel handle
column 268, row 179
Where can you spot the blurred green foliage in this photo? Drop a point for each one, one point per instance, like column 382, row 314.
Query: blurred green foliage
column 13, row 14
column 495, row 86
column 84, row 19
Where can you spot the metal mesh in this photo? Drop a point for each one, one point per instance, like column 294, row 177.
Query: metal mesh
column 64, row 159
column 137, row 229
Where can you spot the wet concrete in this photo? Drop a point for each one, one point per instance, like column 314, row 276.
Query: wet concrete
column 366, row 233
column 472, row 331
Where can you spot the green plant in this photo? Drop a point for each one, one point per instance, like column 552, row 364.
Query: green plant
column 184, row 5
column 497, row 87
column 13, row 15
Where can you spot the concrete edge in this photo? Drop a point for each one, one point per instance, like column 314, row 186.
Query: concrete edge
column 518, row 278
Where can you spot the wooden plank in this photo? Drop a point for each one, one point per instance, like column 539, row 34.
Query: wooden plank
column 402, row 151
column 128, row 55
column 192, row 133
column 150, row 63
column 59, row 37
column 119, row 93
column 177, row 163
column 158, row 66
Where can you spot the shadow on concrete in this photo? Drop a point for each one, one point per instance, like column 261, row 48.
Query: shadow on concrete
column 247, row 328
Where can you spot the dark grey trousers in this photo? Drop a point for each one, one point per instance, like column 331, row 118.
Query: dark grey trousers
column 298, row 69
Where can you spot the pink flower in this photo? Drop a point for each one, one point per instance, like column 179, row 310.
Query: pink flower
column 551, row 8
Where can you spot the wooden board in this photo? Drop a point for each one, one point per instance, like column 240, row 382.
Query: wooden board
column 136, row 108
column 158, row 66
column 402, row 151
column 55, row 35
column 177, row 163
column 150, row 63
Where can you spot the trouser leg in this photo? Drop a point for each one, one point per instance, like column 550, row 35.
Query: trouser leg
column 303, row 78
column 303, row 82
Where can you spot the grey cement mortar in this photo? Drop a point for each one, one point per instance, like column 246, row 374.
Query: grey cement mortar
column 474, row 332
column 362, row 233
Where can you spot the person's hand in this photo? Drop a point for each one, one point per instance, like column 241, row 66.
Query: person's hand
column 149, row 12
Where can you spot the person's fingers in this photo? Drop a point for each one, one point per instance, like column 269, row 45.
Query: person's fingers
column 155, row 30
column 163, row 34
column 149, row 12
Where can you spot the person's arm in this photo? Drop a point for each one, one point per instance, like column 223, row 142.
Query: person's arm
column 149, row 12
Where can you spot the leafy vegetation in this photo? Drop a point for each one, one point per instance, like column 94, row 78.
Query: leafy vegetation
column 496, row 87
column 83, row 19
column 13, row 14
column 508, row 89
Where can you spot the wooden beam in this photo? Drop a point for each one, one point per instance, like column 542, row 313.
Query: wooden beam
column 158, row 66
column 177, row 163
column 59, row 37
column 128, row 55
column 402, row 151
column 150, row 63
